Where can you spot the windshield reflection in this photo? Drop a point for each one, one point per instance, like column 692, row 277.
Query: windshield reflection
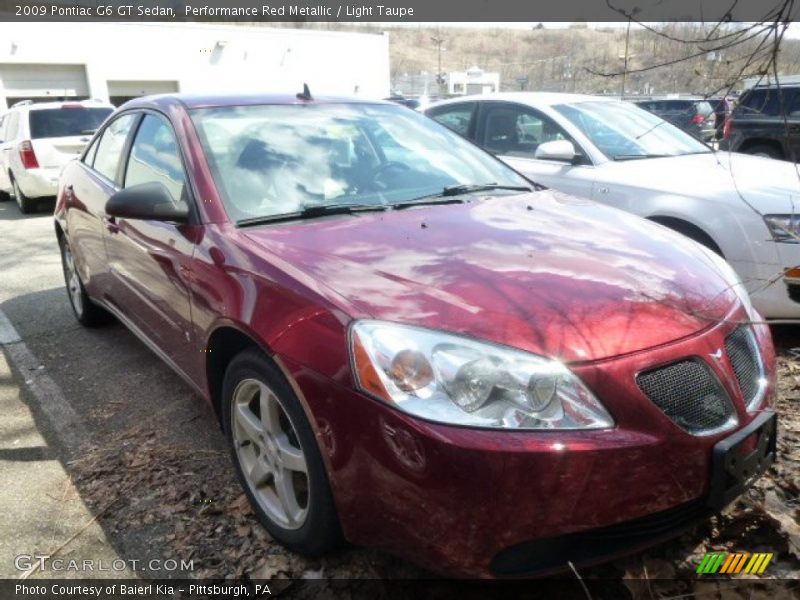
column 280, row 159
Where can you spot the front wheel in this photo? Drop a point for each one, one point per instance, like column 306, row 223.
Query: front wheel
column 86, row 311
column 765, row 150
column 277, row 458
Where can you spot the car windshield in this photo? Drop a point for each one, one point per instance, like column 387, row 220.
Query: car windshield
column 623, row 131
column 270, row 160
column 67, row 121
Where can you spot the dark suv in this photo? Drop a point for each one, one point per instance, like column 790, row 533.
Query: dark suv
column 693, row 115
column 766, row 122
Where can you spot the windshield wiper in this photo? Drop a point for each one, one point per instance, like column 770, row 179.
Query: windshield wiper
column 427, row 200
column 447, row 195
column 471, row 188
column 639, row 156
column 312, row 212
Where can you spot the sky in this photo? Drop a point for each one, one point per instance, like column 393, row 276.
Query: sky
column 793, row 30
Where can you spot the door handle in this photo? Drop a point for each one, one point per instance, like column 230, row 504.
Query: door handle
column 111, row 224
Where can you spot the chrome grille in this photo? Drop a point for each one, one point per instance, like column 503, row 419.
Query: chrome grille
column 690, row 395
column 746, row 363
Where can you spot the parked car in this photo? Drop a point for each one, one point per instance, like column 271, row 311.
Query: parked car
column 694, row 115
column 426, row 354
column 742, row 207
column 766, row 122
column 723, row 107
column 37, row 140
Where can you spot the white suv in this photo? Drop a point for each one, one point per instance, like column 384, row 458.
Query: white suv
column 37, row 140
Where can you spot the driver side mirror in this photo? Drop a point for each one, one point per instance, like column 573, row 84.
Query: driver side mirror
column 560, row 150
column 148, row 202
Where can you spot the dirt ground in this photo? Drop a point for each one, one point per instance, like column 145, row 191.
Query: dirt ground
column 187, row 504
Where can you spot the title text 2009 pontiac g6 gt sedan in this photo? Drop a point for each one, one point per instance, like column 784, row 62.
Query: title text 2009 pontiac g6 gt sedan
column 409, row 345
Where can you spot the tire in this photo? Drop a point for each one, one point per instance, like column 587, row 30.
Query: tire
column 765, row 150
column 86, row 311
column 270, row 454
column 26, row 205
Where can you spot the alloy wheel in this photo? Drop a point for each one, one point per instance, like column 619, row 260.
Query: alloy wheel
column 269, row 453
column 73, row 281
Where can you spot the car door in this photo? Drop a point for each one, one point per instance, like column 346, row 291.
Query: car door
column 514, row 131
column 88, row 185
column 149, row 260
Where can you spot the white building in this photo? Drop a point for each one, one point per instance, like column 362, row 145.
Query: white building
column 117, row 61
column 472, row 81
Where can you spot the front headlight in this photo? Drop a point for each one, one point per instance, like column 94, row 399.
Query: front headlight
column 460, row 381
column 784, row 228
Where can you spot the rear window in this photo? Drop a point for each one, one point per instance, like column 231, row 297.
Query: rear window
column 63, row 122
column 678, row 105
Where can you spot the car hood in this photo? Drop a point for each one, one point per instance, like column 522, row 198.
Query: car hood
column 543, row 272
column 767, row 184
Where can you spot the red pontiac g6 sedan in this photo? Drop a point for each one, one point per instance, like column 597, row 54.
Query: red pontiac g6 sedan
column 411, row 347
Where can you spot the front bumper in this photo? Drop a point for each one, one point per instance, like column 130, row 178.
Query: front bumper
column 735, row 465
column 459, row 500
column 776, row 296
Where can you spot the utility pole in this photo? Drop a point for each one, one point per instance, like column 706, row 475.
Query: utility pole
column 438, row 40
column 625, row 65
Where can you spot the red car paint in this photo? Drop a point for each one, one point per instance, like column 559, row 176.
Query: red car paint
column 607, row 293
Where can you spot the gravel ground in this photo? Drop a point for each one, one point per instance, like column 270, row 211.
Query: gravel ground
column 186, row 503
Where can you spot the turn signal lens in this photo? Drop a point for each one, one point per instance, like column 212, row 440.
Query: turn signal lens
column 365, row 371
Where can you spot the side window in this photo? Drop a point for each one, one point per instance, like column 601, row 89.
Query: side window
column 764, row 102
column 155, row 158
column 110, row 146
column 514, row 130
column 88, row 158
column 455, row 116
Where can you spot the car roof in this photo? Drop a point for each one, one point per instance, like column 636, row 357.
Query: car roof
column 192, row 101
column 60, row 104
column 537, row 98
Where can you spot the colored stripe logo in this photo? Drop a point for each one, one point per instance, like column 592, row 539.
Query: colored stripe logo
column 734, row 562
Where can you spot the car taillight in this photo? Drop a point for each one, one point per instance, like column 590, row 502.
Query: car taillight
column 697, row 119
column 726, row 130
column 28, row 156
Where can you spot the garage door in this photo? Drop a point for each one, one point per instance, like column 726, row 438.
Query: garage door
column 42, row 82
column 122, row 91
